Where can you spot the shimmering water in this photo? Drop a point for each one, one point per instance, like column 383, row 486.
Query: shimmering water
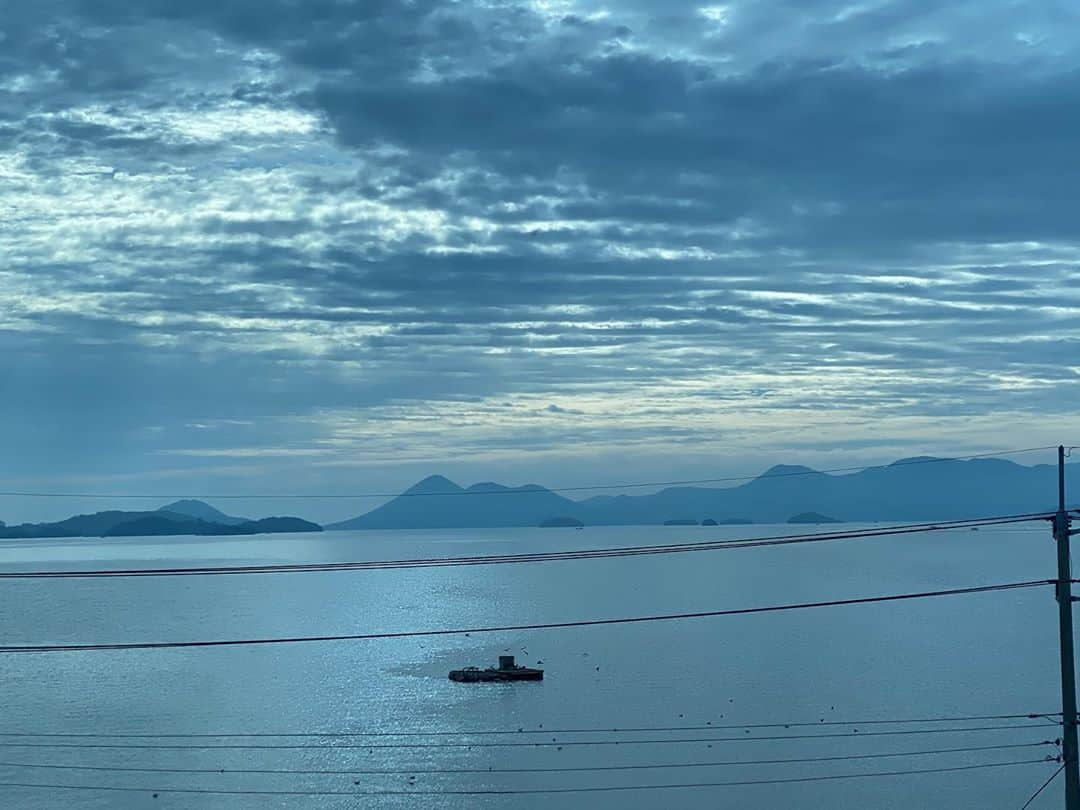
column 984, row 654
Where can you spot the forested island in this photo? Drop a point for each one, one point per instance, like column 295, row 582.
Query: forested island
column 180, row 518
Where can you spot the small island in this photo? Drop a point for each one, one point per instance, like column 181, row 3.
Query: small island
column 726, row 522
column 681, row 522
column 561, row 523
column 813, row 517
column 181, row 518
column 168, row 526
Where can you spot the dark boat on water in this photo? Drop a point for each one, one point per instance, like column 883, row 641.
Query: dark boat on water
column 506, row 671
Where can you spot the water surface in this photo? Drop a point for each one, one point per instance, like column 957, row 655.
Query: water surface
column 985, row 654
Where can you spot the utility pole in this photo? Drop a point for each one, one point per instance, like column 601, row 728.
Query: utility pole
column 1070, row 750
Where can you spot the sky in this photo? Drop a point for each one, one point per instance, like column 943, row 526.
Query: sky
column 332, row 246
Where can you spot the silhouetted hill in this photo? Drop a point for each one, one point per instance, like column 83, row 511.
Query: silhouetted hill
column 160, row 523
column 439, row 503
column 906, row 490
column 156, row 525
column 434, row 485
column 95, row 525
column 280, row 525
column 201, row 510
column 901, row 491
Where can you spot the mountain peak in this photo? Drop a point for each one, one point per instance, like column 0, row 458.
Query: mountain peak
column 780, row 470
column 434, row 485
column 200, row 510
column 187, row 503
column 491, row 486
column 487, row 486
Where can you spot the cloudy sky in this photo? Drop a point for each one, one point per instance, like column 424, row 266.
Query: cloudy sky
column 335, row 245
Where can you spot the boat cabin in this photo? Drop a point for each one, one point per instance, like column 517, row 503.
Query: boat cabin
column 508, row 670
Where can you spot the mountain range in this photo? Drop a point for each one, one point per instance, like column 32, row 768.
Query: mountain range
column 920, row 488
column 187, row 517
column 912, row 489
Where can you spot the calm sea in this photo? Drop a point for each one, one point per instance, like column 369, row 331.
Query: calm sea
column 966, row 655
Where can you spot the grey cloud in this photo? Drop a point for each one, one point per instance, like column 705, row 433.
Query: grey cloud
column 936, row 152
column 276, row 212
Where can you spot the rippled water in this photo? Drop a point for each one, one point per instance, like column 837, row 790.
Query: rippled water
column 983, row 654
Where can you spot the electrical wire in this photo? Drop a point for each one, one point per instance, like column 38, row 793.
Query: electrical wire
column 551, row 556
column 158, row 645
column 519, row 731
column 575, row 769
column 553, row 743
column 1043, row 787
column 513, row 491
column 518, row 791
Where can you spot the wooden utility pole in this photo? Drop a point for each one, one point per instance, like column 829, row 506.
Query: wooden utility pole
column 1069, row 748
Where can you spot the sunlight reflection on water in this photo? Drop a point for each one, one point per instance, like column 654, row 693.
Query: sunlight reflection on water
column 994, row 653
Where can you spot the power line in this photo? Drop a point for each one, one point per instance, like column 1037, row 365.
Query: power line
column 158, row 645
column 555, row 730
column 572, row 769
column 518, row 791
column 1043, row 787
column 550, row 556
column 553, row 743
column 519, row 491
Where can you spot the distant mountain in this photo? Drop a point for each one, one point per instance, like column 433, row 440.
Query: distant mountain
column 159, row 525
column 438, row 503
column 280, row 525
column 905, row 490
column 909, row 489
column 201, row 510
column 95, row 525
column 163, row 522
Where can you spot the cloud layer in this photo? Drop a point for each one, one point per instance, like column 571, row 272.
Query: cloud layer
column 368, row 238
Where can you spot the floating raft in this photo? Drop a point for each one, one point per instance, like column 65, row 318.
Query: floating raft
column 506, row 671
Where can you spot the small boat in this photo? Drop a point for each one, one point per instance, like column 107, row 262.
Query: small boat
column 506, row 671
